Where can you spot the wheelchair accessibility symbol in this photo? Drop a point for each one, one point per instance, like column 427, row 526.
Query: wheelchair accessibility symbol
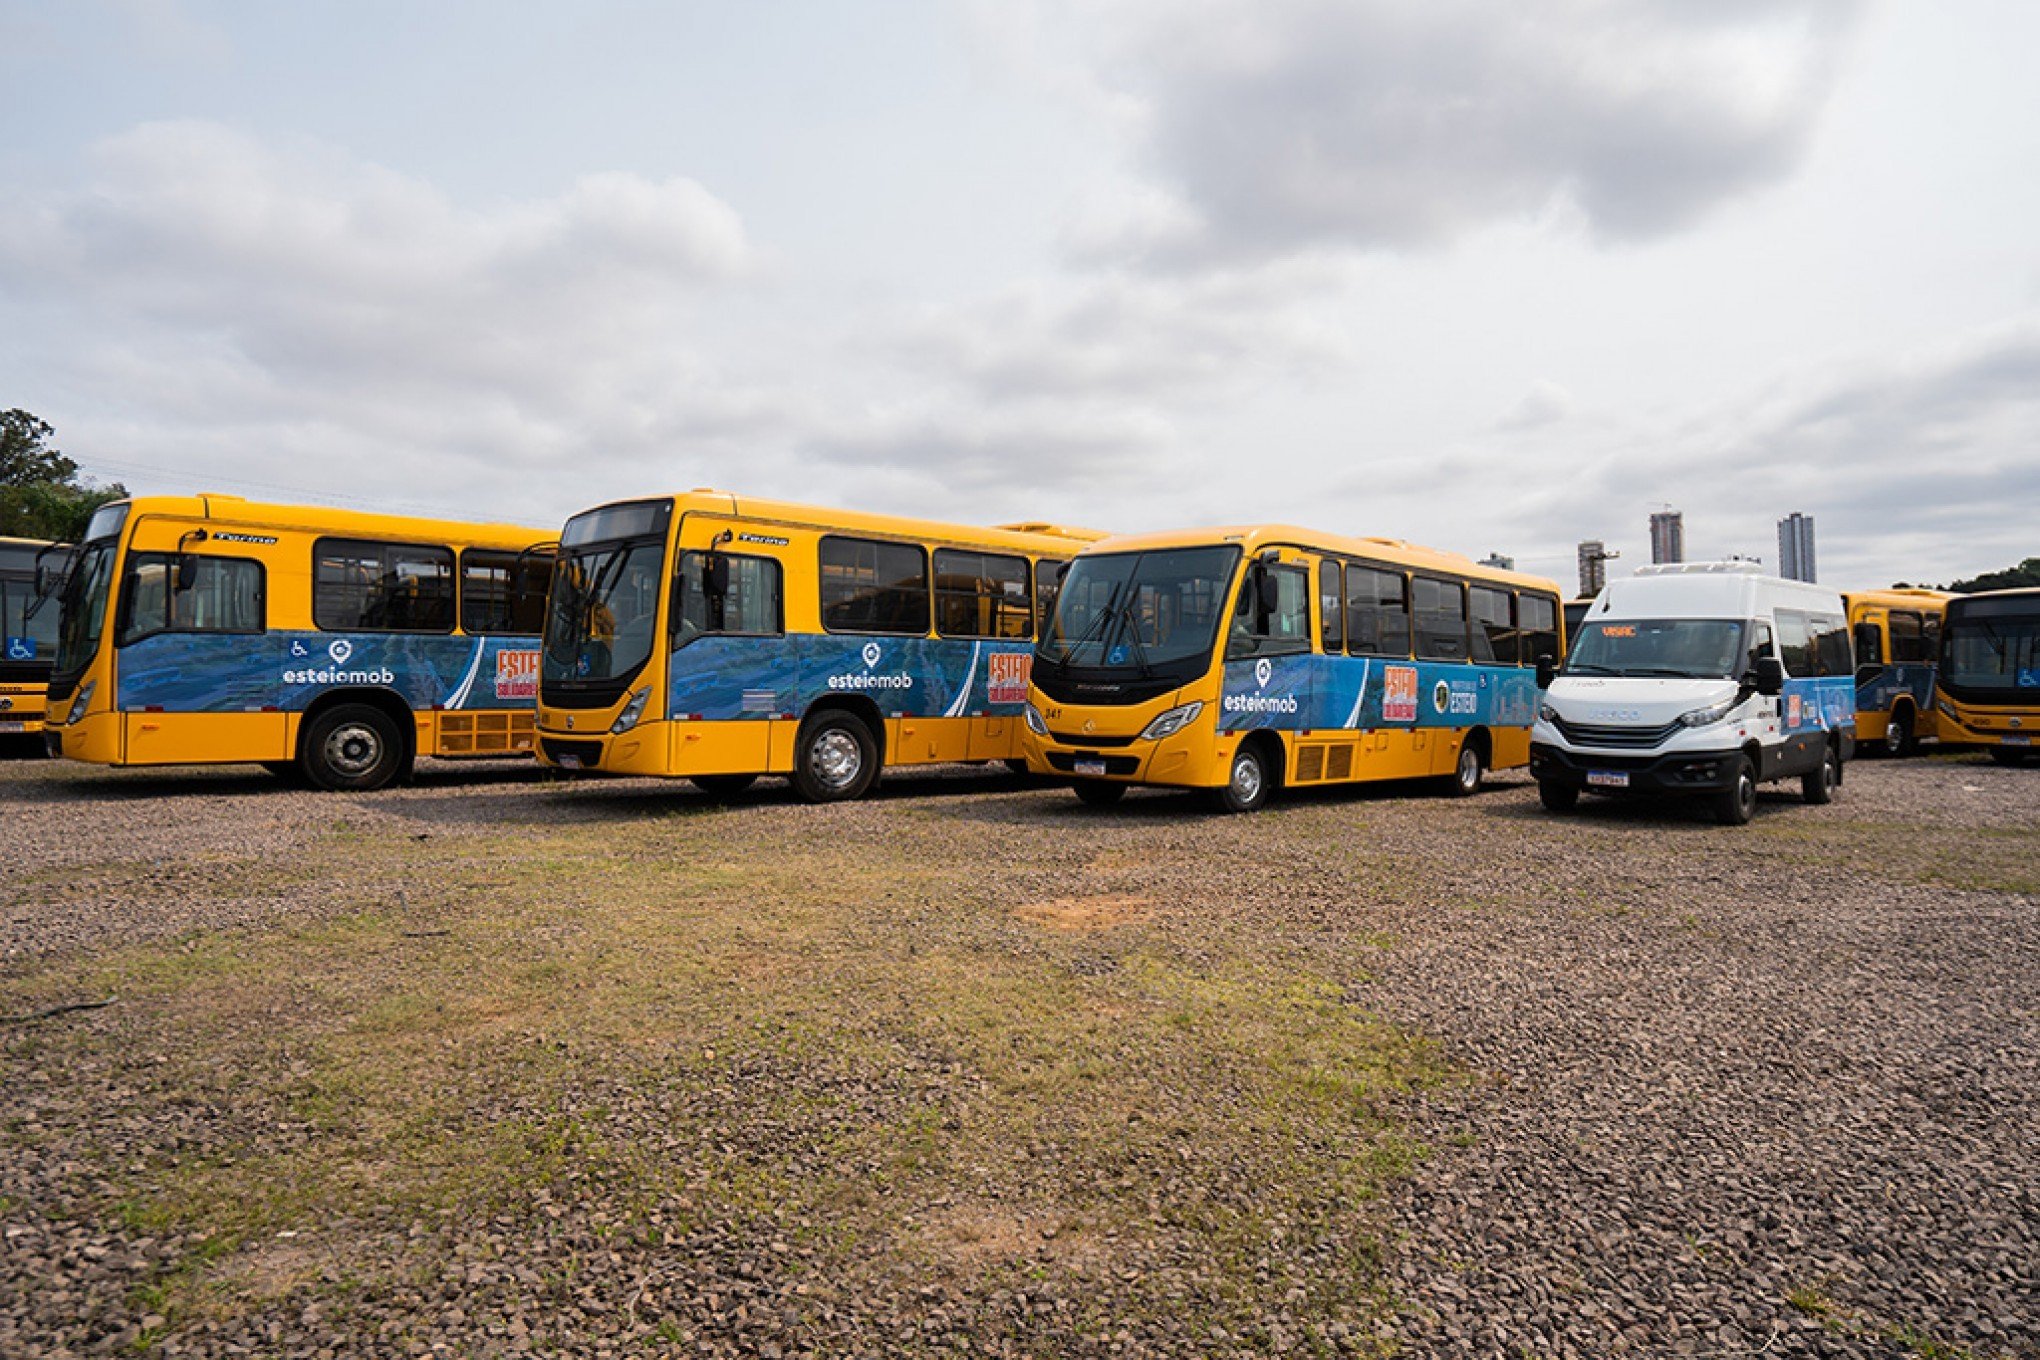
column 21, row 649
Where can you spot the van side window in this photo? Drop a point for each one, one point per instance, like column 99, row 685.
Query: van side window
column 1795, row 642
column 1830, row 645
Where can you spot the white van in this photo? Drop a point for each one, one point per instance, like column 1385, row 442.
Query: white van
column 1700, row 678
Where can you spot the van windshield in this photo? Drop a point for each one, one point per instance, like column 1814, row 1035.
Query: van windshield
column 1680, row 649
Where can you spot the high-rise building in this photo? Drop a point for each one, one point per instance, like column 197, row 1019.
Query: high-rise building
column 1795, row 547
column 1668, row 536
column 1499, row 561
column 1594, row 556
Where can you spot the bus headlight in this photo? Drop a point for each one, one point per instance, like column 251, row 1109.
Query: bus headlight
column 1713, row 713
column 82, row 702
column 1036, row 724
column 1946, row 708
column 1172, row 722
column 632, row 711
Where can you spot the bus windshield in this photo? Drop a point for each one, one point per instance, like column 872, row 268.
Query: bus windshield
column 1683, row 649
column 604, row 609
column 84, row 606
column 2000, row 655
column 1139, row 610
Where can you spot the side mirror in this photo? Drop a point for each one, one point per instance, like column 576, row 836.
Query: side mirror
column 1770, row 676
column 715, row 575
column 187, row 571
column 1547, row 670
column 1267, row 593
column 1869, row 642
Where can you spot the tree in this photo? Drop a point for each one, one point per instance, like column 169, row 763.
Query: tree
column 2027, row 573
column 41, row 493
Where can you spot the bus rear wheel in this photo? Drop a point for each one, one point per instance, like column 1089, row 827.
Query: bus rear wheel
column 352, row 748
column 835, row 758
column 1464, row 781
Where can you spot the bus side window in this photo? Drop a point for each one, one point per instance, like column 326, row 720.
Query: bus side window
column 1538, row 615
column 1494, row 630
column 1260, row 630
column 1377, row 613
column 1908, row 637
column 1870, row 642
column 750, row 603
column 1441, row 619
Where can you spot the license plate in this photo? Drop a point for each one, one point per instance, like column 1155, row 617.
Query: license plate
column 1608, row 779
column 2009, row 741
column 1090, row 767
column 568, row 762
column 13, row 727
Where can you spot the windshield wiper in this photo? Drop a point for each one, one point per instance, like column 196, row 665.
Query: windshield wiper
column 1103, row 617
column 1586, row 667
column 1132, row 627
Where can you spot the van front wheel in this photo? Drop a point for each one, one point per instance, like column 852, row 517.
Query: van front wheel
column 1557, row 796
column 1736, row 804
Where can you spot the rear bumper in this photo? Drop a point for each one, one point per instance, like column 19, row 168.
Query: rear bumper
column 1679, row 772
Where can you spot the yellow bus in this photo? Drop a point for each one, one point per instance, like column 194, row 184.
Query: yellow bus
column 1897, row 636
column 28, row 638
column 1987, row 687
column 717, row 638
column 337, row 644
column 1238, row 660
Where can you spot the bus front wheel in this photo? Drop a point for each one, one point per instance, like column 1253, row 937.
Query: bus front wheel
column 836, row 758
column 352, row 748
column 2008, row 756
column 1898, row 734
column 1247, row 785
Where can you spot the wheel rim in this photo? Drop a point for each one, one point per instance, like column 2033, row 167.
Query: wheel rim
column 1469, row 770
column 1246, row 778
column 353, row 749
column 1894, row 736
column 836, row 758
column 1746, row 792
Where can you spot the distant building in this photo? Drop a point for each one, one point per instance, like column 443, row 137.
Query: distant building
column 1668, row 536
column 1594, row 557
column 1795, row 547
column 1499, row 562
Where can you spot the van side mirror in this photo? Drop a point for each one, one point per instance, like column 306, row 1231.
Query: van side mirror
column 1547, row 670
column 1770, row 676
column 715, row 575
column 187, row 571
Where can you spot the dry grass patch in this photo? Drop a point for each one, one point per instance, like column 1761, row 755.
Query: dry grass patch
column 1084, row 915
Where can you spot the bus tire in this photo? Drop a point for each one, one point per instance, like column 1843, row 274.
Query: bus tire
column 2007, row 756
column 1819, row 786
column 1736, row 804
column 836, row 758
column 1467, row 770
column 1899, row 739
column 352, row 748
column 1249, row 781
column 723, row 785
column 286, row 770
column 1099, row 792
column 1557, row 795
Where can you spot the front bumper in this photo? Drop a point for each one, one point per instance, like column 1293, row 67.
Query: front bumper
column 1671, row 773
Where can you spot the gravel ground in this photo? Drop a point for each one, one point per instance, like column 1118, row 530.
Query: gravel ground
column 1767, row 1091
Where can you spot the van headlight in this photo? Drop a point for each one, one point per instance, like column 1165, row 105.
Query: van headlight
column 1036, row 724
column 1713, row 713
column 632, row 711
column 1172, row 722
column 1547, row 713
column 82, row 702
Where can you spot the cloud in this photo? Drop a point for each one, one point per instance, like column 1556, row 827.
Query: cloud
column 1271, row 127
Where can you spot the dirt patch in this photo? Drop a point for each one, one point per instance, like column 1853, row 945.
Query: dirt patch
column 1088, row 915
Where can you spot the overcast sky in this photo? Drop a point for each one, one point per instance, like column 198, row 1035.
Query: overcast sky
column 1490, row 276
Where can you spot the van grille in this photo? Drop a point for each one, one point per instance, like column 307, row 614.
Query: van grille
column 1617, row 738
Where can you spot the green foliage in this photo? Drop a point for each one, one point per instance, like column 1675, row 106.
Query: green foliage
column 41, row 493
column 2027, row 573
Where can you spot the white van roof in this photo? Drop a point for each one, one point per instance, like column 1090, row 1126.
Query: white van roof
column 1709, row 590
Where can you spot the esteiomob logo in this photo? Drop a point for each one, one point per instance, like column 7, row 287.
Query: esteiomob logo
column 869, row 678
column 1264, row 671
column 339, row 652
